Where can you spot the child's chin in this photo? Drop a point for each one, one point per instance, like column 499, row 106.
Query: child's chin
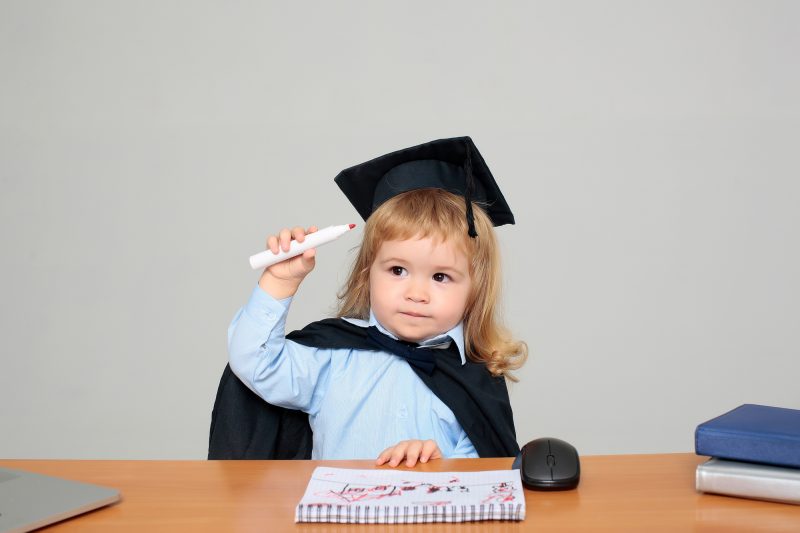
column 412, row 336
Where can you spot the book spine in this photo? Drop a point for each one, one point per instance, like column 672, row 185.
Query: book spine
column 752, row 447
column 745, row 480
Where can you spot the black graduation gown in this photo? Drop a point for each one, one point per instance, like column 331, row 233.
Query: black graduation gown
column 244, row 426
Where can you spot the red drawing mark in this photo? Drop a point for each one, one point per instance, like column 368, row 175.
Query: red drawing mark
column 502, row 493
column 359, row 493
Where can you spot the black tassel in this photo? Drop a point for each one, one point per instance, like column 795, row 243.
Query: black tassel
column 470, row 220
column 468, row 192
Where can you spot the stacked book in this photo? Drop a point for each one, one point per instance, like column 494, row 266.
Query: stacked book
column 755, row 453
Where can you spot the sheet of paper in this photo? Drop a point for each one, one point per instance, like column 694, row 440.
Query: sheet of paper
column 386, row 496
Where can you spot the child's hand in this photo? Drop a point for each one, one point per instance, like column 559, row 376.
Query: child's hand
column 411, row 450
column 282, row 279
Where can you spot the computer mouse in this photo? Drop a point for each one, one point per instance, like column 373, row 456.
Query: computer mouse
column 549, row 464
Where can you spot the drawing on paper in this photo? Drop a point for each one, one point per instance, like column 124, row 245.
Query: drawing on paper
column 343, row 487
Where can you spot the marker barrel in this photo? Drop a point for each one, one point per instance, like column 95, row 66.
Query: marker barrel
column 318, row 238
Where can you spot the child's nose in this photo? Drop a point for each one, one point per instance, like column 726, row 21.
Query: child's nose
column 417, row 291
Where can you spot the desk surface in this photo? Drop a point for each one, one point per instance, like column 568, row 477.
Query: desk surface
column 616, row 493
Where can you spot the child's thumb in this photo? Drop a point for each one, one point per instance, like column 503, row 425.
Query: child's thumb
column 309, row 259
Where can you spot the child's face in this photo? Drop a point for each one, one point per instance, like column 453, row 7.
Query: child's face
column 418, row 287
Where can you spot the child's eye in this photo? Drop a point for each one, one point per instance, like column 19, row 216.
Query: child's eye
column 398, row 271
column 440, row 277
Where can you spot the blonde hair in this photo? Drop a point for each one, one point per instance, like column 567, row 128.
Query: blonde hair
column 438, row 214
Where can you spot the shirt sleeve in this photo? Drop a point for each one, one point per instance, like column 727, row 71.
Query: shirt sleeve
column 282, row 372
column 464, row 448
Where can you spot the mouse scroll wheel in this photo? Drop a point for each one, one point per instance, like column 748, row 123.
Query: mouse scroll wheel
column 551, row 460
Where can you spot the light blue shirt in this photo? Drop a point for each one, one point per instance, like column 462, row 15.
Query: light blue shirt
column 359, row 402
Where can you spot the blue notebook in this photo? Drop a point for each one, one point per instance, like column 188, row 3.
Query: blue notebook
column 753, row 433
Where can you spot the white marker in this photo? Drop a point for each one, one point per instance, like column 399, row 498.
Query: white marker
column 318, row 238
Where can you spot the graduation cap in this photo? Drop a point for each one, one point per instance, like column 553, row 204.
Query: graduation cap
column 454, row 165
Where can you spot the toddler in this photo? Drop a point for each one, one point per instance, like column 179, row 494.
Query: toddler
column 414, row 367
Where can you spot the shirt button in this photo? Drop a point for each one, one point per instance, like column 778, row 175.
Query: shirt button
column 402, row 412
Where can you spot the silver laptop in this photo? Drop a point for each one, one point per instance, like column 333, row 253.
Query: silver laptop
column 29, row 501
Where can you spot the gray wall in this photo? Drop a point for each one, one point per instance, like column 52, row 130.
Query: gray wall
column 648, row 149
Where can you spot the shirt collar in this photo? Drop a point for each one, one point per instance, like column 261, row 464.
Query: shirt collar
column 439, row 341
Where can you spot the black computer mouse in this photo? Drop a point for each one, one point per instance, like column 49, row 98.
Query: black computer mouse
column 549, row 464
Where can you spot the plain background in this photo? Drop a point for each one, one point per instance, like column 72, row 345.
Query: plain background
column 649, row 151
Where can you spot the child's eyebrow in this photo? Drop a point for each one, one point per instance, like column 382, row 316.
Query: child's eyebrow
column 448, row 268
column 393, row 260
column 438, row 268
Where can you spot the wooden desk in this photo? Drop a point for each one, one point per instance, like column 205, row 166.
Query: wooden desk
column 617, row 493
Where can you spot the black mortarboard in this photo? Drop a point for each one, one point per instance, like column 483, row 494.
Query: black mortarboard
column 454, row 165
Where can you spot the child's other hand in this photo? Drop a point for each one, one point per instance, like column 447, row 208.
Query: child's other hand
column 411, row 451
column 282, row 279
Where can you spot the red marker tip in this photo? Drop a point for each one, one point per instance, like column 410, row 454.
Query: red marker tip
column 352, row 226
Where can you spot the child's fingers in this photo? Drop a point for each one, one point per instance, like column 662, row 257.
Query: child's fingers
column 285, row 238
column 384, row 456
column 398, row 453
column 272, row 244
column 298, row 234
column 308, row 259
column 412, row 453
column 430, row 450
